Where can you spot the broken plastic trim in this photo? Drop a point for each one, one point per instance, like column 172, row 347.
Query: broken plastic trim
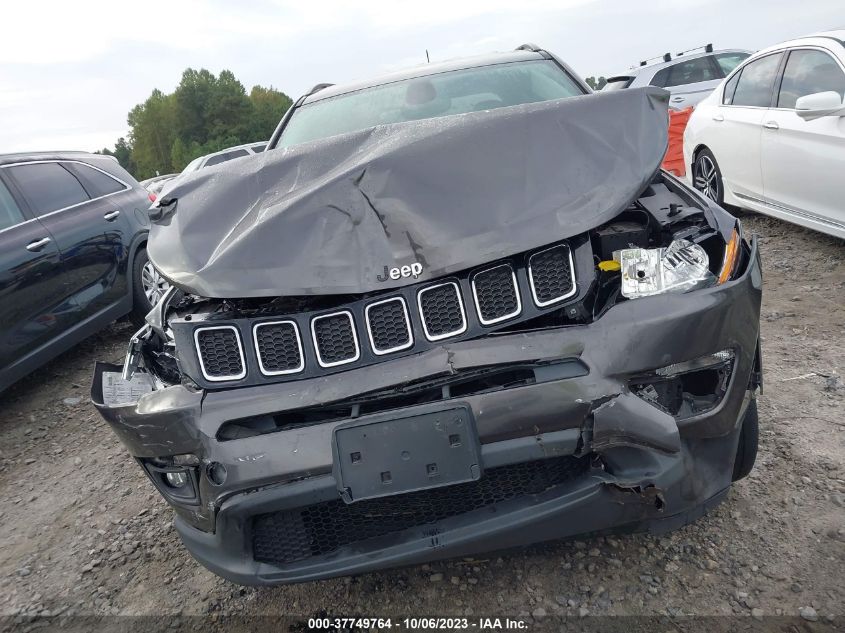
column 702, row 362
column 133, row 354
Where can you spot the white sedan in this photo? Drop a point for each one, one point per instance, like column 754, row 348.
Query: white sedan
column 771, row 137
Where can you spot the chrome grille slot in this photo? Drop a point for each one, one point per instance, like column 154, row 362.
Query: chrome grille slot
column 220, row 353
column 278, row 347
column 388, row 326
column 496, row 294
column 335, row 339
column 442, row 311
column 551, row 274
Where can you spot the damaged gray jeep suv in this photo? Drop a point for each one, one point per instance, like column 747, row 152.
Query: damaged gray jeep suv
column 454, row 309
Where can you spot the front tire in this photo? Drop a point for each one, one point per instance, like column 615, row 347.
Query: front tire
column 749, row 439
column 148, row 286
column 707, row 177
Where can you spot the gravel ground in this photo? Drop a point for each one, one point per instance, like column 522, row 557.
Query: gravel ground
column 85, row 533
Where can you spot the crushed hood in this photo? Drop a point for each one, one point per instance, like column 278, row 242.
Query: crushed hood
column 327, row 217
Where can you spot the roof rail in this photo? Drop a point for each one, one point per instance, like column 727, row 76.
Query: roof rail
column 529, row 47
column 667, row 57
column 708, row 48
column 317, row 88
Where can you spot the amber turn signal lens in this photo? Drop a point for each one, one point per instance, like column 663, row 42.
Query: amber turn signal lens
column 731, row 258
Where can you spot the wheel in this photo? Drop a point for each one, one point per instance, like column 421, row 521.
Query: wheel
column 148, row 286
column 746, row 451
column 707, row 177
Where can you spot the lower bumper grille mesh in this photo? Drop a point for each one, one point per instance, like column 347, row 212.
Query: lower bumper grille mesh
column 292, row 535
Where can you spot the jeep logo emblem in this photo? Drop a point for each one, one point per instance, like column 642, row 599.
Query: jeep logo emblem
column 398, row 272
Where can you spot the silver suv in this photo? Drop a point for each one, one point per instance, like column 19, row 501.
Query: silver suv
column 689, row 77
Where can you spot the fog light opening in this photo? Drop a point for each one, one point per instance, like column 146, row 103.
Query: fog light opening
column 689, row 388
column 176, row 479
column 216, row 473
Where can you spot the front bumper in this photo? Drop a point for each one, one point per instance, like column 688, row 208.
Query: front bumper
column 646, row 468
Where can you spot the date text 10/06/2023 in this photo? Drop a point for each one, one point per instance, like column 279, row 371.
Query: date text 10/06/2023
column 416, row 624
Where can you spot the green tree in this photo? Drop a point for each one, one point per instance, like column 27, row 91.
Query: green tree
column 596, row 84
column 204, row 114
column 229, row 111
column 152, row 134
column 269, row 105
column 122, row 152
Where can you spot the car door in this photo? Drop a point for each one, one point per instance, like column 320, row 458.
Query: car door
column 804, row 161
column 689, row 81
column 88, row 230
column 735, row 134
column 30, row 285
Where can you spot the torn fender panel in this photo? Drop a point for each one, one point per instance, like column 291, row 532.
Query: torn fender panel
column 626, row 420
column 332, row 216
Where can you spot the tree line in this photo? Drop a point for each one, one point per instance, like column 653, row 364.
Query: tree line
column 203, row 114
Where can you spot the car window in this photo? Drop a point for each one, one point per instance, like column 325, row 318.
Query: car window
column 222, row 158
column 755, row 82
column 10, row 214
column 728, row 61
column 96, row 182
column 683, row 73
column 808, row 72
column 617, row 83
column 258, row 148
column 427, row 97
column 730, row 88
column 193, row 165
column 48, row 186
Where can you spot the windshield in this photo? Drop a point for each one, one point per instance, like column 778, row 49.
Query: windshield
column 453, row 92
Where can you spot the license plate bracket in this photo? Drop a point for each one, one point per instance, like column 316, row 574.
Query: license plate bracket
column 379, row 458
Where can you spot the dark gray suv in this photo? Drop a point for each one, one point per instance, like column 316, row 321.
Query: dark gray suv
column 450, row 310
column 73, row 231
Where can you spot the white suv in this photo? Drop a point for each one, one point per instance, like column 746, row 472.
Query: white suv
column 689, row 77
column 771, row 138
column 224, row 155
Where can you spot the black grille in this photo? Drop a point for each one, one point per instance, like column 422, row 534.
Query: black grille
column 442, row 312
column 551, row 275
column 389, row 327
column 335, row 339
column 496, row 294
column 279, row 348
column 292, row 535
column 220, row 352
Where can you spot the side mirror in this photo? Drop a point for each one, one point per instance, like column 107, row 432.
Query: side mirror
column 819, row 104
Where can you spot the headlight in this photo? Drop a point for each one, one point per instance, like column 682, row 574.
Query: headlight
column 680, row 267
column 731, row 258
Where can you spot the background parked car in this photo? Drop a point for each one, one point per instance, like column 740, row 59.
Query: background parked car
column 154, row 185
column 771, row 138
column 689, row 77
column 73, row 231
column 223, row 155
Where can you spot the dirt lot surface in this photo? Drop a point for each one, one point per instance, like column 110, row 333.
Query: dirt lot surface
column 83, row 531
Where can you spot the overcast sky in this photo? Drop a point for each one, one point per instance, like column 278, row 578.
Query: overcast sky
column 70, row 71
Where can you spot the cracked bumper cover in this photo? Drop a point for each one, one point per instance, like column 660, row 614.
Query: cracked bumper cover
column 658, row 472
